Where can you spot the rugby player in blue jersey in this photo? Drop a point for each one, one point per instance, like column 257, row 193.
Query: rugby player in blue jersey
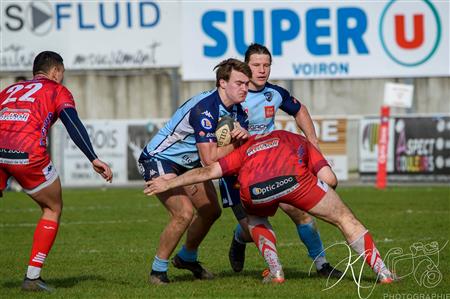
column 187, row 141
column 262, row 102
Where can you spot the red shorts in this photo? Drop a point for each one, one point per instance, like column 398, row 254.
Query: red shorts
column 303, row 197
column 32, row 174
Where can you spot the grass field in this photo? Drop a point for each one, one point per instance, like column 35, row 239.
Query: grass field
column 108, row 238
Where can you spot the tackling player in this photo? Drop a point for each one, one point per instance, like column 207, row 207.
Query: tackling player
column 187, row 141
column 262, row 103
column 27, row 111
column 274, row 168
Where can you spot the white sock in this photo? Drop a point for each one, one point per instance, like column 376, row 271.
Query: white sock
column 319, row 261
column 33, row 272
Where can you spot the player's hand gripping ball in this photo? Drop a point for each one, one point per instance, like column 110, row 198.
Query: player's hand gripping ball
column 223, row 130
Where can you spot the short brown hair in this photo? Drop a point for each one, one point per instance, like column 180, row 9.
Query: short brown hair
column 225, row 67
column 256, row 49
column 44, row 62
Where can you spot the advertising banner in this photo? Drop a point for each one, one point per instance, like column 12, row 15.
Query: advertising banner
column 90, row 34
column 368, row 145
column 418, row 150
column 320, row 39
column 117, row 142
column 109, row 142
column 422, row 148
column 139, row 134
column 332, row 134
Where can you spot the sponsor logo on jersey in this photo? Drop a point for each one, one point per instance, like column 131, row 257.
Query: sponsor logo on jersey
column 207, row 113
column 14, row 114
column 201, row 134
column 267, row 144
column 269, row 111
column 257, row 127
column 268, row 95
column 206, row 123
column 294, row 100
column 272, row 189
column 210, row 135
column 186, row 159
column 13, row 157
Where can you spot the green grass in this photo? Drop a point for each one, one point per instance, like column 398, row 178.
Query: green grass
column 107, row 241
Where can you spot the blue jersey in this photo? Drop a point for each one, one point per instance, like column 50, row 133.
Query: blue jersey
column 261, row 107
column 194, row 122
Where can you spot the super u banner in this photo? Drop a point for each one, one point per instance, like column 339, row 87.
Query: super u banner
column 320, row 39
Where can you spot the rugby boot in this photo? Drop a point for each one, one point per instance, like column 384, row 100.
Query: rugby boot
column 329, row 271
column 158, row 277
column 275, row 278
column 387, row 277
column 236, row 255
column 195, row 267
column 35, row 285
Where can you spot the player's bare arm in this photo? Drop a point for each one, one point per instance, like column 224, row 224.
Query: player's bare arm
column 197, row 175
column 304, row 121
column 209, row 152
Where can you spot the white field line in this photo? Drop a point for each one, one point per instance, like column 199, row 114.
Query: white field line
column 72, row 208
column 6, row 225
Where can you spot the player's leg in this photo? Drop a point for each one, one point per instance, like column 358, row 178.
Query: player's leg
column 229, row 191
column 305, row 224
column 41, row 182
column 180, row 209
column 181, row 212
column 265, row 240
column 310, row 236
column 49, row 199
column 331, row 209
column 241, row 236
column 204, row 199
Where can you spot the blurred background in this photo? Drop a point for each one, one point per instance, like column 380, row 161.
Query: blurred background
column 130, row 64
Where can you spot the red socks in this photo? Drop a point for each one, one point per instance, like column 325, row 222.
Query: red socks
column 43, row 239
column 364, row 245
column 265, row 240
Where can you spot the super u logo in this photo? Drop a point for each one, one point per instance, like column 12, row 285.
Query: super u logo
column 410, row 34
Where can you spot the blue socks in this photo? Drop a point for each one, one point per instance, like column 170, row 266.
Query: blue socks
column 160, row 265
column 310, row 236
column 188, row 256
column 237, row 234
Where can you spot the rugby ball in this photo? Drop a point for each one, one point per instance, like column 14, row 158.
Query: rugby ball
column 223, row 130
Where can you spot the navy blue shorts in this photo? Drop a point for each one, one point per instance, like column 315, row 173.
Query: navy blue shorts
column 229, row 191
column 153, row 167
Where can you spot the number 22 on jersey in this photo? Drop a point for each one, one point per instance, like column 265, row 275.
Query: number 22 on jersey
column 26, row 97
